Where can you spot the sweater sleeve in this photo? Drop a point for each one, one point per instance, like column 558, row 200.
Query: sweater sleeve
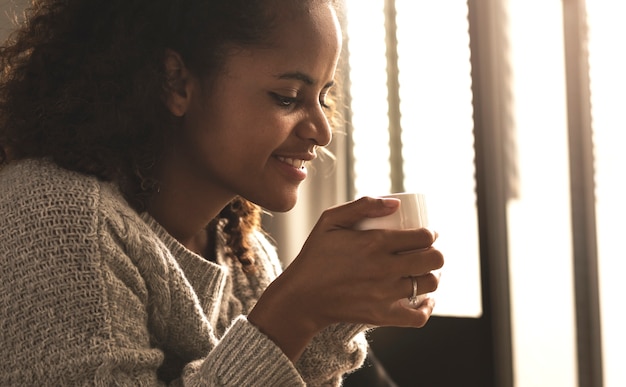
column 244, row 357
column 334, row 352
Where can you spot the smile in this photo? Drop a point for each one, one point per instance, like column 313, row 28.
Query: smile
column 296, row 163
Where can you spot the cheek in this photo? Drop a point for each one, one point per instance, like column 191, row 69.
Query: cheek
column 265, row 130
column 247, row 130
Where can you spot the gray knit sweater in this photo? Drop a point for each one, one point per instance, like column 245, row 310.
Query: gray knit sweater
column 91, row 293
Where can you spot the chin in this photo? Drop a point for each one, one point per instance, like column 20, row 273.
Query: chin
column 279, row 203
column 274, row 199
column 280, row 207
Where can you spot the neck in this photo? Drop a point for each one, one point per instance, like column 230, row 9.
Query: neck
column 185, row 205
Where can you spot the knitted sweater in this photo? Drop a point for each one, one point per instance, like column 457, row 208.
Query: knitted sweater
column 92, row 293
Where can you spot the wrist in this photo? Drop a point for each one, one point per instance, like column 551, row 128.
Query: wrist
column 283, row 323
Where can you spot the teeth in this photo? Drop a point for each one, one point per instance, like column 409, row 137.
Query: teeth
column 296, row 163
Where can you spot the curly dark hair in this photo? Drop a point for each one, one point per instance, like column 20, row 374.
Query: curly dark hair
column 82, row 82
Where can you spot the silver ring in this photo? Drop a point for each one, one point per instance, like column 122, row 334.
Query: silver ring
column 413, row 299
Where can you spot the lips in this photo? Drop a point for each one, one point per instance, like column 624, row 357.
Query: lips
column 296, row 163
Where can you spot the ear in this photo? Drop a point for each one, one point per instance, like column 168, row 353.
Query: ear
column 179, row 82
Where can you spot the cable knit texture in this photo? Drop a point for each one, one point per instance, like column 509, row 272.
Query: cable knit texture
column 93, row 293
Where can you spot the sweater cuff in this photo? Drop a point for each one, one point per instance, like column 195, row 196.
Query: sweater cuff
column 247, row 357
column 335, row 351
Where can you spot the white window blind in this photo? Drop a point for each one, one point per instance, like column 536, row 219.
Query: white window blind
column 607, row 62
column 539, row 221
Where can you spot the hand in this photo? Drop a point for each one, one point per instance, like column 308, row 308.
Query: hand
column 345, row 275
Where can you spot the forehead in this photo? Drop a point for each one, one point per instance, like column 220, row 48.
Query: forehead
column 305, row 40
column 313, row 23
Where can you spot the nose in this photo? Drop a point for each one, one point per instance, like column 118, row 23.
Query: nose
column 315, row 127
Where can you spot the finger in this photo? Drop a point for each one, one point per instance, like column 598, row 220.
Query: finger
column 402, row 316
column 423, row 261
column 414, row 263
column 406, row 241
column 348, row 214
column 421, row 314
column 408, row 287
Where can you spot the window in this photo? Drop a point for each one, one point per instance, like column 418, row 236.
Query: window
column 413, row 129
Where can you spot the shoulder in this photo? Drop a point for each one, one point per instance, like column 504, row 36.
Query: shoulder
column 35, row 183
column 38, row 192
column 40, row 200
column 43, row 189
column 58, row 221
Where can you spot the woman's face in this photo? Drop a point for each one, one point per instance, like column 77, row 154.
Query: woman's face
column 255, row 130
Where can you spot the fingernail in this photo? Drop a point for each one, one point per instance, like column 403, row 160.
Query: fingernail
column 434, row 233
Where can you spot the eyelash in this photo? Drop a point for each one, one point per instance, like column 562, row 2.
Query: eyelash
column 287, row 102
column 283, row 101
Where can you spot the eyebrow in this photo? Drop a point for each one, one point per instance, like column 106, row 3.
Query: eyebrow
column 303, row 78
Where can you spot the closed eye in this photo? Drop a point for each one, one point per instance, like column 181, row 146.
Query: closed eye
column 283, row 101
column 324, row 96
column 323, row 103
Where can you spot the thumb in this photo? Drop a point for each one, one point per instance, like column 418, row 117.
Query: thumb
column 348, row 214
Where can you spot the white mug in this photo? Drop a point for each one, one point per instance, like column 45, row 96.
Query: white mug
column 411, row 214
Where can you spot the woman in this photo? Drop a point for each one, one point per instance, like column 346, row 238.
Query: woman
column 139, row 140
